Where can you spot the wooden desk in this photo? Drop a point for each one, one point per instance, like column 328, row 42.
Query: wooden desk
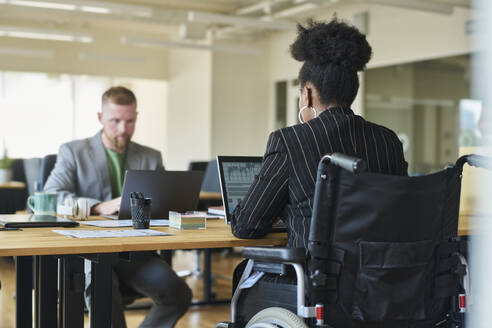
column 43, row 241
column 46, row 246
column 206, row 195
column 13, row 185
column 469, row 224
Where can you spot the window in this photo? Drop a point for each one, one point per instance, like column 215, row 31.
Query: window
column 36, row 113
column 40, row 111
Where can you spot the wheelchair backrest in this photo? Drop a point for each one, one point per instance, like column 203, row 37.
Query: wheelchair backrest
column 381, row 246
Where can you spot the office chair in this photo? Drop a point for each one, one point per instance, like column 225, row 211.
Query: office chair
column 197, row 166
column 47, row 165
column 210, row 183
column 18, row 173
column 383, row 252
column 12, row 200
column 32, row 168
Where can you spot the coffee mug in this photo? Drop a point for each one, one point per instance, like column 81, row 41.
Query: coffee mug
column 42, row 203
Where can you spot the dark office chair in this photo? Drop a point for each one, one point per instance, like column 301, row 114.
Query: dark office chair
column 18, row 173
column 47, row 165
column 383, row 252
column 197, row 166
column 12, row 200
column 210, row 183
column 32, row 168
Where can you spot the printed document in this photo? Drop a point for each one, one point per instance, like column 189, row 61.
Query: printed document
column 110, row 233
column 123, row 223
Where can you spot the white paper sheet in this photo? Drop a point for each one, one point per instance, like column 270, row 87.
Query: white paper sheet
column 110, row 233
column 123, row 223
column 208, row 216
column 252, row 280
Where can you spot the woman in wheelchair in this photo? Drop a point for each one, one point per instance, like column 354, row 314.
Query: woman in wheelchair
column 369, row 250
column 332, row 54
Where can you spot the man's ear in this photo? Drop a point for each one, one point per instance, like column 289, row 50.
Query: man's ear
column 99, row 117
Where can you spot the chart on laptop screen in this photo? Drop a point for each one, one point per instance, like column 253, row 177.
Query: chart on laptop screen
column 238, row 176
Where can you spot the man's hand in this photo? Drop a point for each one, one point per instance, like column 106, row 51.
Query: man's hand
column 107, row 208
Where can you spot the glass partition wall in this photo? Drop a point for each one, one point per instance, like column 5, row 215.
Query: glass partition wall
column 428, row 105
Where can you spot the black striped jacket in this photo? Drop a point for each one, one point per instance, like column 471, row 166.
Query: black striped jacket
column 285, row 184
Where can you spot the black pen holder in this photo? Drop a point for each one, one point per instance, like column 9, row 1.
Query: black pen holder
column 140, row 209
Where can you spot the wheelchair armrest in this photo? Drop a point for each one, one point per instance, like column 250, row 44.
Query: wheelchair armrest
column 275, row 254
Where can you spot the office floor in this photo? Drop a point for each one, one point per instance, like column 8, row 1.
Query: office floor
column 199, row 317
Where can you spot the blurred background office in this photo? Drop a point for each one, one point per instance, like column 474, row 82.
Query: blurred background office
column 215, row 76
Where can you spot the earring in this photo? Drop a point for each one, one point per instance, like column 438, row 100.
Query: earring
column 303, row 108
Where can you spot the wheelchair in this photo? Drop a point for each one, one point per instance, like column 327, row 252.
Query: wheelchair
column 383, row 252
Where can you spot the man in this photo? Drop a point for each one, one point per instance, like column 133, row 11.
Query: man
column 94, row 168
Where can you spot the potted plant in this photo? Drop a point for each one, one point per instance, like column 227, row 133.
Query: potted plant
column 5, row 168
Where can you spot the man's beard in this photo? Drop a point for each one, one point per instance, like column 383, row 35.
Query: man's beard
column 119, row 142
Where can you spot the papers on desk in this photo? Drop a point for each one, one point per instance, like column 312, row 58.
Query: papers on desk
column 208, row 216
column 217, row 210
column 252, row 280
column 123, row 223
column 110, row 233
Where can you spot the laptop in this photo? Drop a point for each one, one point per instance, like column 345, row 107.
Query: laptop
column 236, row 174
column 35, row 221
column 170, row 191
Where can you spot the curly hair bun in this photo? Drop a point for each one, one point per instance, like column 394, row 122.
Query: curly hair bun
column 335, row 43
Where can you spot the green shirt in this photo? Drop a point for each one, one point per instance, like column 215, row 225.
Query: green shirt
column 117, row 168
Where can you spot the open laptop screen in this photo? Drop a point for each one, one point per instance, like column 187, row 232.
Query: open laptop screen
column 170, row 191
column 236, row 176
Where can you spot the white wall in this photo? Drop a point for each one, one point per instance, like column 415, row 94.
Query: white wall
column 240, row 102
column 152, row 100
column 189, row 108
column 217, row 105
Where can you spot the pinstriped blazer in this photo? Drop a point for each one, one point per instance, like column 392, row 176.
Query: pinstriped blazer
column 285, row 184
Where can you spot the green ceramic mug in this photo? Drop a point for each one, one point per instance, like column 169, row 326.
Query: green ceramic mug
column 42, row 203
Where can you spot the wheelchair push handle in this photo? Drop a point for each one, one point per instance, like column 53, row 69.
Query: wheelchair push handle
column 476, row 161
column 349, row 163
column 480, row 161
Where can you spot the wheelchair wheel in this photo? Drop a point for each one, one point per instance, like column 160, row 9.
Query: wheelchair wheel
column 276, row 317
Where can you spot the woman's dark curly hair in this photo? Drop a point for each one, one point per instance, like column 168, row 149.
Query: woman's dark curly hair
column 332, row 54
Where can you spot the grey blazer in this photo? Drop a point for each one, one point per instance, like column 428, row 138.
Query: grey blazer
column 81, row 169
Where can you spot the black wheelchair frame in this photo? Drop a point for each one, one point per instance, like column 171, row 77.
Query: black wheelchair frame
column 319, row 270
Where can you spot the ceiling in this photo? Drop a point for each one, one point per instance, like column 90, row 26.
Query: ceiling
column 180, row 20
